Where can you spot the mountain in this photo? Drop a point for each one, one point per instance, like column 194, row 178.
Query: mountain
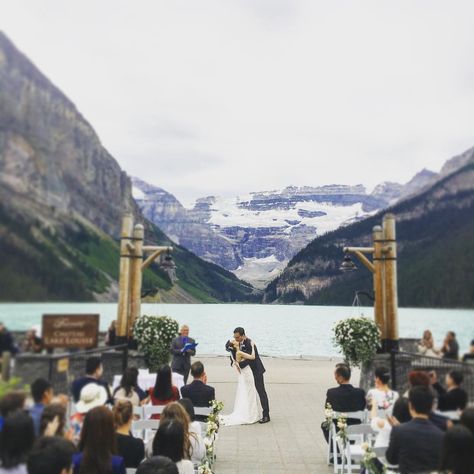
column 256, row 235
column 62, row 196
column 435, row 230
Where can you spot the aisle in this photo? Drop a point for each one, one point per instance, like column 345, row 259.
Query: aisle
column 292, row 442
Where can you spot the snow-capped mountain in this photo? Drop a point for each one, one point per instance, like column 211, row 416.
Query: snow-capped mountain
column 255, row 235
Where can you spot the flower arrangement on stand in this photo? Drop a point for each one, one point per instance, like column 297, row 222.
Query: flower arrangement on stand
column 329, row 414
column 370, row 463
column 211, row 437
column 342, row 427
column 154, row 335
column 358, row 339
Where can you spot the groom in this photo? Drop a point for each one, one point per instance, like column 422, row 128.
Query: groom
column 256, row 366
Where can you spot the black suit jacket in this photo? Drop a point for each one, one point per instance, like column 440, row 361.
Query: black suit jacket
column 200, row 395
column 181, row 362
column 246, row 346
column 450, row 400
column 346, row 398
column 415, row 446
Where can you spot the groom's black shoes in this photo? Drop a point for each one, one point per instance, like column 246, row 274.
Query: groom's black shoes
column 265, row 419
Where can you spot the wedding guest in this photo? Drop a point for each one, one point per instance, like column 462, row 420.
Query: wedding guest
column 164, row 391
column 131, row 449
column 169, row 441
column 32, row 342
column 198, row 448
column 381, row 400
column 94, row 372
column 467, row 419
column 427, row 347
column 457, row 455
column 344, row 398
column 51, row 455
column 7, row 343
column 200, row 394
column 181, row 362
column 111, row 336
column 16, row 440
column 129, row 389
column 453, row 397
column 54, row 413
column 157, row 465
column 470, row 355
column 450, row 347
column 42, row 393
column 14, row 400
column 416, row 445
column 98, row 445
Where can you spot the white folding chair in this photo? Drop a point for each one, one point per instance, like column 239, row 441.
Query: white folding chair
column 138, row 411
column 202, row 411
column 130, row 470
column 380, row 453
column 149, row 410
column 352, row 452
column 141, row 427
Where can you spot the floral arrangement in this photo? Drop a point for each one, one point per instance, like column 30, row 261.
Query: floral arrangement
column 358, row 339
column 329, row 414
column 342, row 426
column 211, row 437
column 154, row 335
column 370, row 463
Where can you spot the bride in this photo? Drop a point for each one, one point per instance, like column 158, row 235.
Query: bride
column 247, row 409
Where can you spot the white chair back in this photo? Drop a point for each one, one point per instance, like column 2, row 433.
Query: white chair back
column 130, row 470
column 138, row 411
column 145, row 425
column 202, row 411
column 149, row 410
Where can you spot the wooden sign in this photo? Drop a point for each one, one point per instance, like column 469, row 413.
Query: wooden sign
column 72, row 331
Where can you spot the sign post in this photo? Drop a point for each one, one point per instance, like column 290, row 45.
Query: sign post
column 72, row 331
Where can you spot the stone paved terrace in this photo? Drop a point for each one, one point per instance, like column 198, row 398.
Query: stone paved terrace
column 292, row 442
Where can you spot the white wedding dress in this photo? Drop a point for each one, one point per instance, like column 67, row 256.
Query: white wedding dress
column 247, row 408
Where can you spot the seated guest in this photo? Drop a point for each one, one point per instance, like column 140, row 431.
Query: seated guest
column 381, row 400
column 416, row 445
column 7, row 342
column 454, row 397
column 164, row 391
column 157, row 465
column 450, row 347
column 51, row 455
column 470, row 355
column 344, row 398
column 98, row 445
column 16, row 440
column 457, row 455
column 111, row 336
column 53, row 421
column 12, row 401
column 426, row 345
column 131, row 449
column 169, row 441
column 42, row 393
column 94, row 371
column 198, row 391
column 129, row 389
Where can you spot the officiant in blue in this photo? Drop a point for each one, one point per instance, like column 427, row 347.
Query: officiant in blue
column 182, row 348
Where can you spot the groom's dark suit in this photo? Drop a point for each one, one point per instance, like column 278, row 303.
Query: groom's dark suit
column 258, row 370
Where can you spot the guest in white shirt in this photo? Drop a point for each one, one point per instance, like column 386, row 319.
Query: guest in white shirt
column 198, row 448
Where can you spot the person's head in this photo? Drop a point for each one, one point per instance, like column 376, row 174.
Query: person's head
column 14, row 400
column 457, row 454
column 197, row 370
column 42, row 391
column 450, row 335
column 176, row 411
column 51, row 455
column 382, row 376
column 129, row 380
column 239, row 334
column 50, row 412
column 420, row 401
column 92, row 395
column 418, row 378
column 113, row 325
column 187, row 404
column 2, row 327
column 472, row 347
column 163, row 383
column 169, row 441
column 454, row 378
column 342, row 373
column 467, row 419
column 94, row 367
column 97, row 442
column 16, row 439
column 184, row 330
column 157, row 465
column 427, row 334
column 123, row 413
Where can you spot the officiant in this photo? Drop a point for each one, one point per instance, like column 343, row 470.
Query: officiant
column 181, row 362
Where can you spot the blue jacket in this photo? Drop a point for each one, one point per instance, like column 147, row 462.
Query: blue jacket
column 118, row 465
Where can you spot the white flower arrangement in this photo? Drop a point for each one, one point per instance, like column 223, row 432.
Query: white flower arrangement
column 358, row 339
column 211, row 437
column 369, row 461
column 329, row 414
column 342, row 427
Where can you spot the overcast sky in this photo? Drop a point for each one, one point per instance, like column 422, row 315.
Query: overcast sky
column 229, row 96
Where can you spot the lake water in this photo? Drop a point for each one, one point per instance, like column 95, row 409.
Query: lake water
column 278, row 330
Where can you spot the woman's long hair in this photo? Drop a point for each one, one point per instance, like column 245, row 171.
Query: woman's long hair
column 16, row 439
column 457, row 455
column 162, row 389
column 97, row 442
column 49, row 413
column 169, row 441
column 129, row 381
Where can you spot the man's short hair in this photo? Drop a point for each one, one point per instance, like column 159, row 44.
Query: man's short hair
column 92, row 364
column 197, row 369
column 421, row 399
column 344, row 371
column 240, row 331
column 157, row 465
column 38, row 388
column 50, row 455
column 457, row 376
